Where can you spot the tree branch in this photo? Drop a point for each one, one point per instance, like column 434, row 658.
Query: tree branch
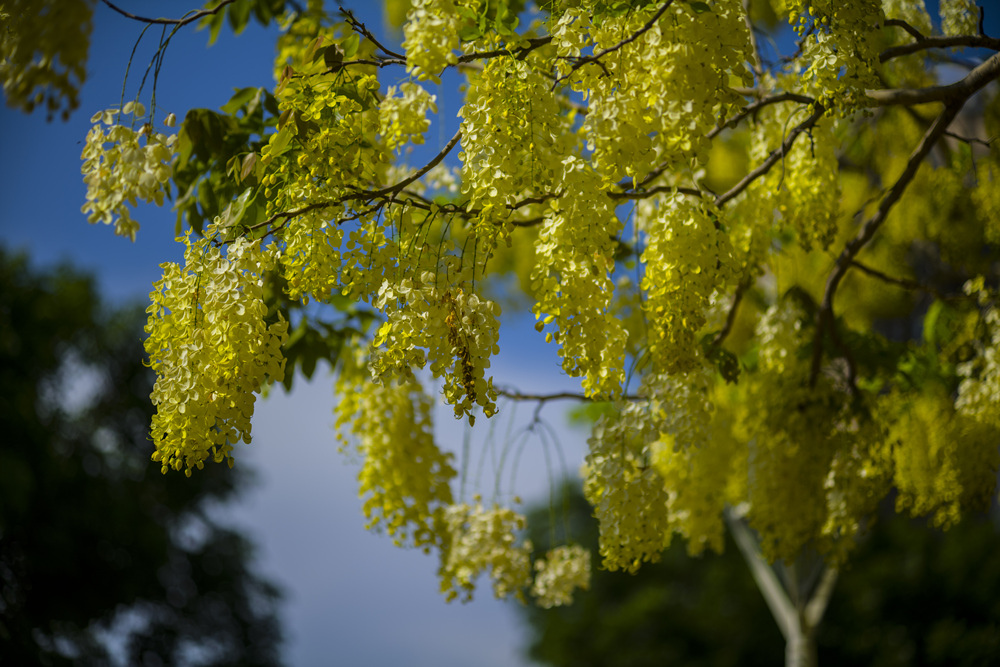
column 201, row 13
column 904, row 283
column 824, row 317
column 731, row 316
column 363, row 30
column 960, row 90
column 558, row 396
column 757, row 106
column 923, row 43
column 771, row 159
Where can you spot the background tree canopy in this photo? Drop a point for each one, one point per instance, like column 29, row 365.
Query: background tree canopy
column 94, row 543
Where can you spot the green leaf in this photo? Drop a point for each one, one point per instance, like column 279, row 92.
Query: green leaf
column 233, row 214
column 241, row 97
column 239, row 15
column 280, row 143
column 333, row 57
column 249, row 162
column 351, row 45
column 931, row 321
column 214, row 26
column 699, row 7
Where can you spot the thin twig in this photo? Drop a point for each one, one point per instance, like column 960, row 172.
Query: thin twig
column 362, row 29
column 558, row 396
column 520, row 54
column 201, row 13
column 900, row 23
column 773, row 158
column 731, row 316
column 645, row 194
column 905, row 283
column 757, row 106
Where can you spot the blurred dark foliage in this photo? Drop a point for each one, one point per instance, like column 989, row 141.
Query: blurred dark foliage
column 910, row 596
column 94, row 541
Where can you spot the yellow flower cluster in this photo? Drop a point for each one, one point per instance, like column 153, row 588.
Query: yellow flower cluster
column 484, row 539
column 841, row 46
column 800, row 448
column 629, row 499
column 403, row 118
column 656, row 98
column 514, row 138
column 574, row 259
column 431, row 38
column 404, row 477
column 688, row 258
column 979, row 390
column 43, row 52
column 311, row 258
column 959, row 17
column 136, row 166
column 455, row 330
column 944, row 461
column 702, row 467
column 562, row 571
column 211, row 350
column 805, row 191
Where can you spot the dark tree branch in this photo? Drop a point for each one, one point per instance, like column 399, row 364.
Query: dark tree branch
column 900, row 23
column 924, row 43
column 731, row 316
column 201, row 13
column 772, row 159
column 757, row 106
column 558, row 396
column 904, row 283
column 825, row 315
column 960, row 90
column 363, row 30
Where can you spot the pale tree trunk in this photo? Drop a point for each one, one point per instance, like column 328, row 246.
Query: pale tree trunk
column 797, row 593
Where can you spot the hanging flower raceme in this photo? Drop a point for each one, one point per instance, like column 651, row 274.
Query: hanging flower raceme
column 562, row 571
column 122, row 166
column 404, row 477
column 484, row 539
column 211, row 350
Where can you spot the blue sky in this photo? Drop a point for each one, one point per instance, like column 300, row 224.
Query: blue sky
column 352, row 598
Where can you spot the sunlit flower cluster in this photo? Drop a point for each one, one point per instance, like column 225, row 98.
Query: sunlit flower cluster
column 840, row 47
column 431, row 38
column 688, row 258
column 404, row 477
column 211, row 349
column 403, row 114
column 484, row 539
column 43, row 52
column 122, row 166
column 629, row 498
column 558, row 575
column 959, row 17
column 454, row 330
column 572, row 282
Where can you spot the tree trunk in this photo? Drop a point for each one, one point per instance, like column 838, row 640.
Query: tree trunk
column 797, row 598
